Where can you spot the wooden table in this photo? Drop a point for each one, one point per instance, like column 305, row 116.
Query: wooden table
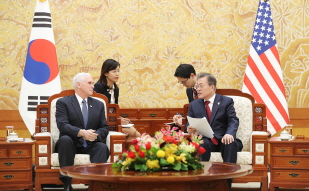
column 289, row 163
column 16, row 165
column 102, row 176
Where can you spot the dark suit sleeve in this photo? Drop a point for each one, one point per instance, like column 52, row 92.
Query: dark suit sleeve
column 190, row 114
column 63, row 121
column 233, row 121
column 189, row 94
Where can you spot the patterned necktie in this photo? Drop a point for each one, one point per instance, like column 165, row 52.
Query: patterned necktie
column 214, row 140
column 195, row 96
column 85, row 117
column 208, row 111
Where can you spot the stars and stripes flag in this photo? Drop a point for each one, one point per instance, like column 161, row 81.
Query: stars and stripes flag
column 263, row 75
column 41, row 74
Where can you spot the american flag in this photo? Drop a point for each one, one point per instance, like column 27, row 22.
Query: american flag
column 263, row 75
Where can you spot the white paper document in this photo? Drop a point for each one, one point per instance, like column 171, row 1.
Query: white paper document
column 202, row 126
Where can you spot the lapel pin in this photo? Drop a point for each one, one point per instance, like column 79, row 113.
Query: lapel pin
column 90, row 105
column 218, row 103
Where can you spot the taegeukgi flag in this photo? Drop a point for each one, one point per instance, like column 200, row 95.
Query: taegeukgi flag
column 41, row 73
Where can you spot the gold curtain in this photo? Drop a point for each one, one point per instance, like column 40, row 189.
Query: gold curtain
column 150, row 38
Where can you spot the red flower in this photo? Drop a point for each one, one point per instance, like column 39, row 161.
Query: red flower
column 195, row 144
column 134, row 141
column 131, row 154
column 137, row 148
column 148, row 146
column 168, row 138
column 141, row 154
column 201, row 150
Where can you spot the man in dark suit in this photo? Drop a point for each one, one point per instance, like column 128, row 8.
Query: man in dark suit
column 185, row 74
column 82, row 125
column 220, row 112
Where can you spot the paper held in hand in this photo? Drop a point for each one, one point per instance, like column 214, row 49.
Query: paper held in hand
column 202, row 126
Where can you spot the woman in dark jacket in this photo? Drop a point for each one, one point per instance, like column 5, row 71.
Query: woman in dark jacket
column 107, row 86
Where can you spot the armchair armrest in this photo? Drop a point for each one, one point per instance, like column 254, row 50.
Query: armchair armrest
column 43, row 150
column 259, row 150
column 115, row 141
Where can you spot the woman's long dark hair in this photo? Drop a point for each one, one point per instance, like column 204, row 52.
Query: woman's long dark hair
column 107, row 66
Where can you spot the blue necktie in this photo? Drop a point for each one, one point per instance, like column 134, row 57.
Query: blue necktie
column 85, row 117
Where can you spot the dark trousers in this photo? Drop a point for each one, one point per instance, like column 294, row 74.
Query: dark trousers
column 228, row 152
column 66, row 153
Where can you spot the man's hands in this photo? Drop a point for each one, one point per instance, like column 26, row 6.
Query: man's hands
column 125, row 121
column 191, row 130
column 177, row 119
column 227, row 139
column 88, row 134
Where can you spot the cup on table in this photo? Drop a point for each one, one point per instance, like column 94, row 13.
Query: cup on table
column 9, row 130
column 289, row 128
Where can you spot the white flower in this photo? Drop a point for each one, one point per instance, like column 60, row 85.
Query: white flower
column 187, row 148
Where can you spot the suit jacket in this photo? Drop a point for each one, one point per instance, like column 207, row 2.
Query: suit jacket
column 223, row 118
column 190, row 94
column 69, row 118
column 99, row 88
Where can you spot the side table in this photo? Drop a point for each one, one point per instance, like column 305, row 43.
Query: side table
column 16, row 165
column 289, row 163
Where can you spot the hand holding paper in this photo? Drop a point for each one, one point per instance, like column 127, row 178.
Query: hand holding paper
column 202, row 126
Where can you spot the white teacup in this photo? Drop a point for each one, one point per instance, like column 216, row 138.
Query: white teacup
column 13, row 136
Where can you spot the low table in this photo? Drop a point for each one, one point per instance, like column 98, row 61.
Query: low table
column 102, row 176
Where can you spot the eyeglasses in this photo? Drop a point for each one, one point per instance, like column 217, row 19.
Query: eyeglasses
column 199, row 86
column 183, row 82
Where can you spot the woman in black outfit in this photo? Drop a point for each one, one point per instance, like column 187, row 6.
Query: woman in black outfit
column 107, row 86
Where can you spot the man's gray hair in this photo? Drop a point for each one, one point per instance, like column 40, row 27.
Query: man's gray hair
column 210, row 78
column 80, row 77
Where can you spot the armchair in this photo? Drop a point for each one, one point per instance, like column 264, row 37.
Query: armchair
column 252, row 131
column 47, row 134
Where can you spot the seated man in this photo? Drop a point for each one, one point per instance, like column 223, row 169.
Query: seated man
column 220, row 112
column 82, row 125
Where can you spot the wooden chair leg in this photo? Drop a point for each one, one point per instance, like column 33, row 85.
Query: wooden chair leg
column 264, row 183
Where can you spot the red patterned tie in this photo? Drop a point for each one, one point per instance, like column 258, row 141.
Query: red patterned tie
column 195, row 96
column 214, row 140
column 208, row 111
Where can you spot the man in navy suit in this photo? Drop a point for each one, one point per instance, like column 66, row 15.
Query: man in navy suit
column 82, row 125
column 185, row 74
column 222, row 119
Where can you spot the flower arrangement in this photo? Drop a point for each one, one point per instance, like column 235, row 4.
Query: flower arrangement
column 168, row 149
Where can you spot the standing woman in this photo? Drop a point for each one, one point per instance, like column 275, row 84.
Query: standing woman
column 107, row 86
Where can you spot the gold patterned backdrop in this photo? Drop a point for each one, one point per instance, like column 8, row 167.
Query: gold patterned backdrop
column 150, row 38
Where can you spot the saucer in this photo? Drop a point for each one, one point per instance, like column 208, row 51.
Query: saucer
column 13, row 140
column 128, row 125
column 284, row 138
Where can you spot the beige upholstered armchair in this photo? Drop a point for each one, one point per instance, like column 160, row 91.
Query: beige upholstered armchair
column 253, row 134
column 47, row 134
